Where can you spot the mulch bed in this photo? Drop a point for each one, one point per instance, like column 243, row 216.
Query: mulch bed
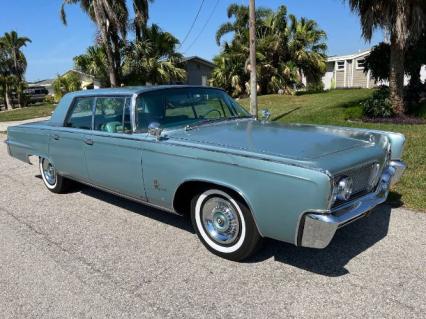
column 395, row 120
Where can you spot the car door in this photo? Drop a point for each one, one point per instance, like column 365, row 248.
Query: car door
column 67, row 143
column 113, row 156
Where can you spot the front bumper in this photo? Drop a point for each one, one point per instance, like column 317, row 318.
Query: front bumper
column 316, row 230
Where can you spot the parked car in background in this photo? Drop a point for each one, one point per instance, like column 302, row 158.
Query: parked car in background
column 36, row 94
column 193, row 150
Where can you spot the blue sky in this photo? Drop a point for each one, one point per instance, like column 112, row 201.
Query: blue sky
column 54, row 45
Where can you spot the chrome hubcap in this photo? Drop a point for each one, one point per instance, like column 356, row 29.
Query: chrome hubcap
column 220, row 220
column 49, row 172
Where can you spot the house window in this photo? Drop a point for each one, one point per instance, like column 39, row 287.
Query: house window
column 360, row 63
column 340, row 65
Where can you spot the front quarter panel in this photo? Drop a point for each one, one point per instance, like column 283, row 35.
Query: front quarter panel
column 277, row 194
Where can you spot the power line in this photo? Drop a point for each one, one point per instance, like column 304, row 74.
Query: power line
column 204, row 27
column 193, row 23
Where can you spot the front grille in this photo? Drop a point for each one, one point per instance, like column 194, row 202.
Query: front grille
column 360, row 177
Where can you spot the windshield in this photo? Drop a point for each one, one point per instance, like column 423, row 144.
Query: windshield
column 185, row 106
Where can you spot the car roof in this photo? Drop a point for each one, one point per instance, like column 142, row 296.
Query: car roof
column 130, row 90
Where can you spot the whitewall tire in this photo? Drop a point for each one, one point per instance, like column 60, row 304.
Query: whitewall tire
column 224, row 224
column 52, row 180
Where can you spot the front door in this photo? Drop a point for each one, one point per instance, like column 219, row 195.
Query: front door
column 67, row 147
column 113, row 156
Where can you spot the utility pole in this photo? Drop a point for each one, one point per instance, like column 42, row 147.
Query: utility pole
column 253, row 80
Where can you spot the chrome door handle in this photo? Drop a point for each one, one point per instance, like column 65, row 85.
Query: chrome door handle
column 55, row 136
column 88, row 141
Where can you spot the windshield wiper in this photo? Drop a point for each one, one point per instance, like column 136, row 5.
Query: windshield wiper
column 208, row 121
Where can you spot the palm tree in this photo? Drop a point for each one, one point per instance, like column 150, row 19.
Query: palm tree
column 140, row 7
column 307, row 47
column 153, row 58
column 94, row 62
column 12, row 44
column 286, row 49
column 404, row 20
column 110, row 18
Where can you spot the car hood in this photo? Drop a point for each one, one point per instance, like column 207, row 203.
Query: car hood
column 292, row 141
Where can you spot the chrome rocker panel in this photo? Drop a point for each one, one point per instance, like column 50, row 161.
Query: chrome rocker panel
column 318, row 229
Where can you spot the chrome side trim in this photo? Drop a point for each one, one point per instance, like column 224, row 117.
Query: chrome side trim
column 134, row 199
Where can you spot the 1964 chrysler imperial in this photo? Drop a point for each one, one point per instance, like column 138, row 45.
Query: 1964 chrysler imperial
column 194, row 150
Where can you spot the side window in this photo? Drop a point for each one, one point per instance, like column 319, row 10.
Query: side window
column 81, row 114
column 109, row 115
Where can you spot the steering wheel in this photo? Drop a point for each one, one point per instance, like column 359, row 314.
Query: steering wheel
column 211, row 111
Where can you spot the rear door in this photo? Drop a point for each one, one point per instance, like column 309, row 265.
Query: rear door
column 67, row 144
column 113, row 156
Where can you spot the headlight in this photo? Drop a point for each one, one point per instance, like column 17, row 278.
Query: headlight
column 344, row 188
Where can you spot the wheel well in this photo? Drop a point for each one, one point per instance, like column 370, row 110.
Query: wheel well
column 187, row 190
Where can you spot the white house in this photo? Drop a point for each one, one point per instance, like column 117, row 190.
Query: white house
column 347, row 71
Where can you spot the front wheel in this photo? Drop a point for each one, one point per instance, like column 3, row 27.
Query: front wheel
column 224, row 224
column 53, row 181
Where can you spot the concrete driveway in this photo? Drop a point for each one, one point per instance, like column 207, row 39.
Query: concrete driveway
column 91, row 254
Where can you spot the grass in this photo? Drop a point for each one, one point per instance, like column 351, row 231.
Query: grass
column 25, row 113
column 335, row 108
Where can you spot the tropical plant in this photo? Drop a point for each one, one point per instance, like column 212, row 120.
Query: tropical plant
column 13, row 65
column 94, row 62
column 405, row 21
column 378, row 105
column 111, row 19
column 64, row 84
column 140, row 7
column 287, row 49
column 153, row 58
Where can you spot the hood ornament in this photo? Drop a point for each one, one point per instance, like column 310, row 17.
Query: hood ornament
column 266, row 114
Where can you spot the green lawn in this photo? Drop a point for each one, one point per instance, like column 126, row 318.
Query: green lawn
column 26, row 113
column 333, row 108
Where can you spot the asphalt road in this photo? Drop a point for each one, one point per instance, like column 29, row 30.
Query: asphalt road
column 91, row 254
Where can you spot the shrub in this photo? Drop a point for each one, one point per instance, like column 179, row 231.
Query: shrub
column 378, row 105
column 315, row 87
column 50, row 99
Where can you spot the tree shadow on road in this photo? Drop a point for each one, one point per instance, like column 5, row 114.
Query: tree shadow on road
column 348, row 242
column 140, row 209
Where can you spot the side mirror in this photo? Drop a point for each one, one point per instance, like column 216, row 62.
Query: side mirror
column 266, row 114
column 155, row 130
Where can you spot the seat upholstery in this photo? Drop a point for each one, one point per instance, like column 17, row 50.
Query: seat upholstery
column 112, row 127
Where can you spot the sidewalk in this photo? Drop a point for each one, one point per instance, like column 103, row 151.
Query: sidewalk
column 5, row 125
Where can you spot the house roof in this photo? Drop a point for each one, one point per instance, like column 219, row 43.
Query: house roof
column 348, row 56
column 198, row 59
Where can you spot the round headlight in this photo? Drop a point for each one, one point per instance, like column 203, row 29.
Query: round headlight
column 344, row 188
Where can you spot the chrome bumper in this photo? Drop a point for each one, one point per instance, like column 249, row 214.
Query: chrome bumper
column 317, row 229
column 8, row 147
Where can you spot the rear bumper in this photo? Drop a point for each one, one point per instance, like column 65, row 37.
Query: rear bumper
column 8, row 147
column 317, row 229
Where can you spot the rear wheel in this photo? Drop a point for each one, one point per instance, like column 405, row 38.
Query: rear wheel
column 224, row 224
column 53, row 181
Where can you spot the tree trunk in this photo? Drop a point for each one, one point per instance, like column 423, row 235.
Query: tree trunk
column 7, row 101
column 398, row 46
column 253, row 79
column 396, row 77
column 101, row 21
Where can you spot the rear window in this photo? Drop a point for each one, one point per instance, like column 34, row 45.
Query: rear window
column 80, row 115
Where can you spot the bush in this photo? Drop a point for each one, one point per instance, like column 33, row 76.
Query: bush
column 378, row 105
column 315, row 87
column 50, row 99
